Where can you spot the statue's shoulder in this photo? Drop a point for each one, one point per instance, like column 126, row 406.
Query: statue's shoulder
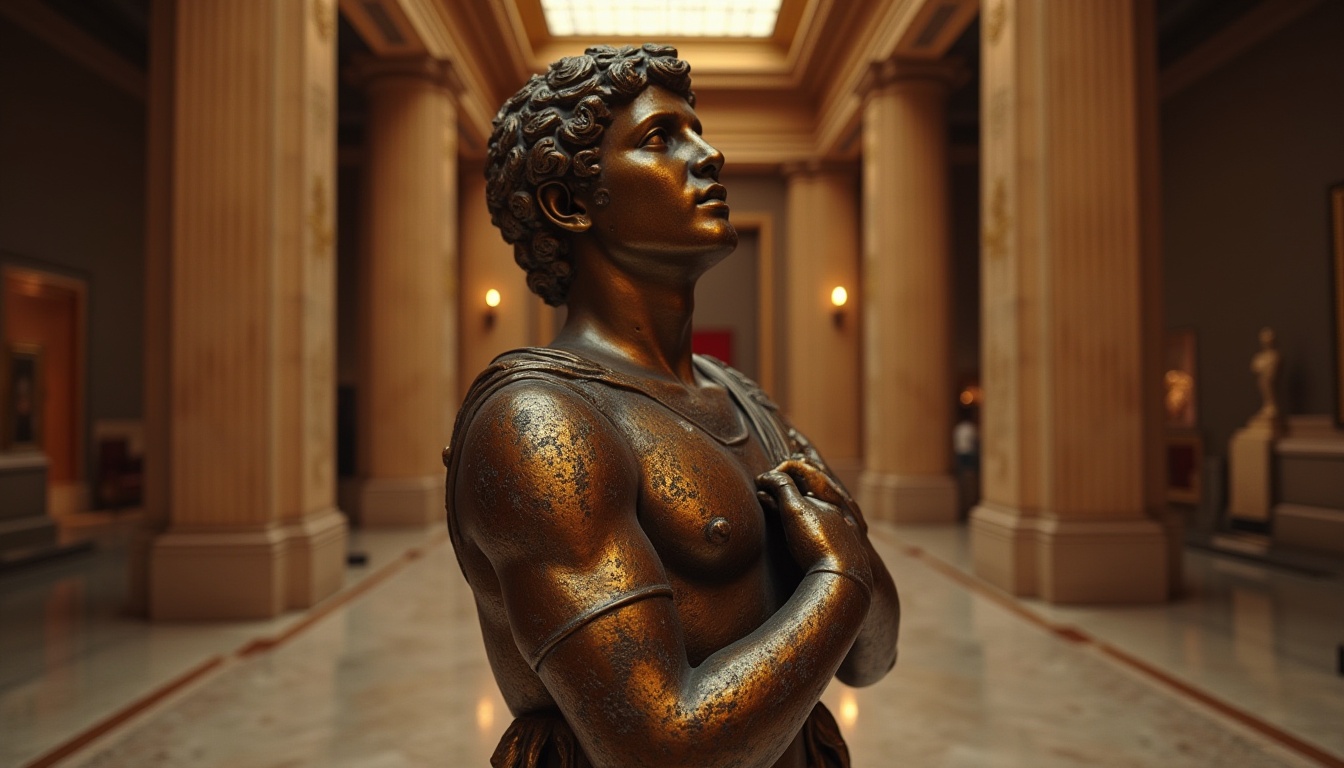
column 512, row 372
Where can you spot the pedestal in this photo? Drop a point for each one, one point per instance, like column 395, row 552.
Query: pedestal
column 24, row 523
column 1251, row 456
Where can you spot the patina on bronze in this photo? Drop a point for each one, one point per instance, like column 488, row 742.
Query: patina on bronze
column 666, row 573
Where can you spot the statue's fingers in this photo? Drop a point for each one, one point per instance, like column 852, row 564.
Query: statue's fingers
column 767, row 502
column 781, row 487
column 814, row 482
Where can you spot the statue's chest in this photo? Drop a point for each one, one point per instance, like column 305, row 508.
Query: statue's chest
column 698, row 502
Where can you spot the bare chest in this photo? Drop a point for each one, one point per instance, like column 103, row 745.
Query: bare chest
column 697, row 500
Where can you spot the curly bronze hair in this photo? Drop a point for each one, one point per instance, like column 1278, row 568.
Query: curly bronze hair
column 550, row 130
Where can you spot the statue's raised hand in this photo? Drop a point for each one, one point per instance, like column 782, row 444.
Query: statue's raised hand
column 821, row 534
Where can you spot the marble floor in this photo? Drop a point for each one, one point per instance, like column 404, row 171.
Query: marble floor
column 391, row 672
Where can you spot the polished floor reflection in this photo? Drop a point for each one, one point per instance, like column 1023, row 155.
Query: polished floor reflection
column 392, row 673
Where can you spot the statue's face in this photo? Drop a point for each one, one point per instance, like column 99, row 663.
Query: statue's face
column 667, row 214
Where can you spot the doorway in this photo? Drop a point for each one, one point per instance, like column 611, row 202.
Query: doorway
column 44, row 341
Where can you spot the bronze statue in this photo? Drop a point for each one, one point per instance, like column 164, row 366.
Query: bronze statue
column 666, row 573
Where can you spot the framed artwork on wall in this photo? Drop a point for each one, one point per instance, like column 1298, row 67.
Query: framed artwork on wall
column 1337, row 251
column 23, row 397
column 1178, row 379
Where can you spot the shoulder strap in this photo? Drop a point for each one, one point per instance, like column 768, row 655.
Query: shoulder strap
column 761, row 412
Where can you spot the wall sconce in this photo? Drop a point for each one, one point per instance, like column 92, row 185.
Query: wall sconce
column 491, row 301
column 839, row 297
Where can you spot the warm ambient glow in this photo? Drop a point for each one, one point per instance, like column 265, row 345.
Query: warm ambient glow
column 839, row 296
column 485, row 715
column 661, row 18
column 492, row 298
column 971, row 395
column 849, row 710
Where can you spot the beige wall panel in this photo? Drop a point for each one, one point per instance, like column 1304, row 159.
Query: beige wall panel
column 823, row 368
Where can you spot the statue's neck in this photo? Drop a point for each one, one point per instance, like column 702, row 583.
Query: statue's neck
column 642, row 329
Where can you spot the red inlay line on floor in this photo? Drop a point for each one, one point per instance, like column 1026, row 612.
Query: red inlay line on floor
column 1075, row 635
column 116, row 719
column 260, row 645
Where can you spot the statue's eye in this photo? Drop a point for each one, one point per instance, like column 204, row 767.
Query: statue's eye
column 655, row 138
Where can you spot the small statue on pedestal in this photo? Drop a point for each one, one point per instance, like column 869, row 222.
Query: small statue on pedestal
column 1265, row 366
column 666, row 573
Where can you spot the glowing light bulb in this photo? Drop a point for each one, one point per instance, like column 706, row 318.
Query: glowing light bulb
column 839, row 296
column 492, row 298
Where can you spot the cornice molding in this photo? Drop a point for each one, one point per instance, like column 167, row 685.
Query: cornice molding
column 815, row 166
column 899, row 70
column 892, row 33
column 366, row 70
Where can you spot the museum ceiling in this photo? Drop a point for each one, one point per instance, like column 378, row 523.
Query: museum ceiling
column 788, row 94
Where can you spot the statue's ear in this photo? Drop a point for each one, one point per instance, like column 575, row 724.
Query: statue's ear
column 560, row 208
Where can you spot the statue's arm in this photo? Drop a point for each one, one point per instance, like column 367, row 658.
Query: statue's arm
column 874, row 651
column 547, row 490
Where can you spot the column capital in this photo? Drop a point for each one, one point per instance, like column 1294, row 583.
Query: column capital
column 950, row 73
column 817, row 166
column 366, row 70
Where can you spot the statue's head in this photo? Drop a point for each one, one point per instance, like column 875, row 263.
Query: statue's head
column 551, row 131
column 1266, row 337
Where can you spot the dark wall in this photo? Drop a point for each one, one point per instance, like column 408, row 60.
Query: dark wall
column 72, row 202
column 1248, row 154
column 964, row 183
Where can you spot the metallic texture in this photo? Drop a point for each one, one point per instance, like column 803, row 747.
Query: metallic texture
column 666, row 572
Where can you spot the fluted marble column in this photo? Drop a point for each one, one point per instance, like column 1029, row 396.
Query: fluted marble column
column 241, row 276
column 1072, row 305
column 823, row 369
column 908, row 389
column 408, row 281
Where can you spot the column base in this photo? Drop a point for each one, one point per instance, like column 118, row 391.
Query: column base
column 1101, row 561
column 1070, row 561
column 401, row 502
column 244, row 572
column 1003, row 548
column 315, row 566
column 232, row 573
column 908, row 498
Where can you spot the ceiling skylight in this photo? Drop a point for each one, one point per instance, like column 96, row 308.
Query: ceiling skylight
column 661, row 18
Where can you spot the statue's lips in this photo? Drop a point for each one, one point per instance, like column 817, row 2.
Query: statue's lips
column 715, row 196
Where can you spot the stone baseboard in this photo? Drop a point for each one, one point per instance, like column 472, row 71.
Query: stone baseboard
column 1314, row 529
column 908, row 499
